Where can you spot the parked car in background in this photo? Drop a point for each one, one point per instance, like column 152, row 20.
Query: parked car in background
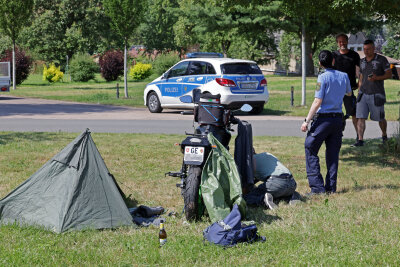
column 237, row 81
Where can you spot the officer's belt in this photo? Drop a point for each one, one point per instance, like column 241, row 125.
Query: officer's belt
column 282, row 176
column 328, row 115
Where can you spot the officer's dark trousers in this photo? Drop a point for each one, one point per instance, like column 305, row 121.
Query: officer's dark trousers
column 328, row 130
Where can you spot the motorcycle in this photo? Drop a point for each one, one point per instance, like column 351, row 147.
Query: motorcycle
column 212, row 117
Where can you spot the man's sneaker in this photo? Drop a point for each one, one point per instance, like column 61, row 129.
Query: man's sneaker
column 384, row 139
column 358, row 143
column 269, row 201
column 295, row 198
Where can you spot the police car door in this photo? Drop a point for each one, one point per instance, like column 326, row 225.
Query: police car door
column 171, row 88
column 196, row 76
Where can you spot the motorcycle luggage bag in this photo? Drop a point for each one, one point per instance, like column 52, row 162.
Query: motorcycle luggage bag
column 210, row 113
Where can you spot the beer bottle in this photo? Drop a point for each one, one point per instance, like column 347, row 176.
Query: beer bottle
column 162, row 235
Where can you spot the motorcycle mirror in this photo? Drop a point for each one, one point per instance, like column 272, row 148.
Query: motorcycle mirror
column 246, row 108
column 186, row 99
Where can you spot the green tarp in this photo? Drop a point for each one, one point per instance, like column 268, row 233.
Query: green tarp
column 220, row 183
column 74, row 190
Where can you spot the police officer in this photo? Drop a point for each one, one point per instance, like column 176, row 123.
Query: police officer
column 326, row 113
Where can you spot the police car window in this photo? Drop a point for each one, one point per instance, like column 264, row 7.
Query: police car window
column 240, row 68
column 197, row 68
column 210, row 69
column 179, row 70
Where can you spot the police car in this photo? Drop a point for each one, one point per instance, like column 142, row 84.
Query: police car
column 238, row 81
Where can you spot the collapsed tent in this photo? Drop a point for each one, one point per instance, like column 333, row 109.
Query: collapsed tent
column 220, row 183
column 74, row 190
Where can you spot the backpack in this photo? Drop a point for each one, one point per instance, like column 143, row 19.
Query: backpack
column 230, row 231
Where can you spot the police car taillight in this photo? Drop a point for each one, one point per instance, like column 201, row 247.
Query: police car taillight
column 225, row 82
column 263, row 82
column 3, row 89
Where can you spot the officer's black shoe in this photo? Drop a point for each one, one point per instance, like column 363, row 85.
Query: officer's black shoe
column 358, row 143
column 384, row 139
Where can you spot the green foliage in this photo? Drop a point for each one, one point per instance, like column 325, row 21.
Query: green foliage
column 140, row 71
column 14, row 16
column 66, row 27
column 157, row 29
column 217, row 25
column 125, row 15
column 164, row 61
column 329, row 43
column 392, row 48
column 52, row 73
column 83, row 68
column 289, row 47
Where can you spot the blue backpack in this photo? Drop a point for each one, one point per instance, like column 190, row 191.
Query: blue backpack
column 230, row 231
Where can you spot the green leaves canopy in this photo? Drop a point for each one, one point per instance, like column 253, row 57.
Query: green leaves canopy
column 125, row 15
column 14, row 15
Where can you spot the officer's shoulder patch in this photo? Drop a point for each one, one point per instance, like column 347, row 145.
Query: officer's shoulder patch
column 318, row 87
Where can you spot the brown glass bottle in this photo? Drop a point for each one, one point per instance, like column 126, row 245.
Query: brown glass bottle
column 162, row 235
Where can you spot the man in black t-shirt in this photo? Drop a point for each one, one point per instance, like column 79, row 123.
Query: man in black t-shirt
column 346, row 61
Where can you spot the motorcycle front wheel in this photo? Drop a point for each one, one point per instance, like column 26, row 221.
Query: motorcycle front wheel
column 194, row 207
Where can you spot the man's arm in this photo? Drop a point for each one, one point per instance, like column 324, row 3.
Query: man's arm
column 360, row 78
column 387, row 75
column 314, row 107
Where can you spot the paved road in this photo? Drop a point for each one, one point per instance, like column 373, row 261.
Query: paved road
column 38, row 115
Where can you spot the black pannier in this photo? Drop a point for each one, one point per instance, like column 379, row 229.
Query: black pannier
column 210, row 111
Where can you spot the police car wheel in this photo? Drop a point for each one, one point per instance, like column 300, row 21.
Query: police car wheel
column 153, row 103
column 257, row 109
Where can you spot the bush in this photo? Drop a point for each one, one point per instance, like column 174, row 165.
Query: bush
column 23, row 64
column 52, row 73
column 82, row 68
column 164, row 61
column 140, row 71
column 112, row 65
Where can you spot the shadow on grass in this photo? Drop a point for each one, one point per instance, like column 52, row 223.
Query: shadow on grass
column 359, row 188
column 258, row 215
column 392, row 103
column 33, row 137
column 372, row 153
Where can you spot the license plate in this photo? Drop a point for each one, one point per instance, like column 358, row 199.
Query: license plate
column 194, row 154
column 251, row 85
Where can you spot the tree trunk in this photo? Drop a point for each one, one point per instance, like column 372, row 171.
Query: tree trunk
column 225, row 47
column 309, row 60
column 13, row 66
column 303, row 65
column 125, row 72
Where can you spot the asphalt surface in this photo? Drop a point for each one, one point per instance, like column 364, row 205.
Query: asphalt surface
column 38, row 115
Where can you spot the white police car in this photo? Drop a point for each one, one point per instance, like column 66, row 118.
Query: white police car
column 238, row 81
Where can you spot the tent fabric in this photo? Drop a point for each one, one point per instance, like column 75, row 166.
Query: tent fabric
column 220, row 183
column 72, row 191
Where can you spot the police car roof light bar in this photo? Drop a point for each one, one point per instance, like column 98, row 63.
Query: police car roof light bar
column 204, row 55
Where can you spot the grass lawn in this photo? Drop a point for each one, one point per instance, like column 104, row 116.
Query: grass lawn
column 103, row 92
column 358, row 226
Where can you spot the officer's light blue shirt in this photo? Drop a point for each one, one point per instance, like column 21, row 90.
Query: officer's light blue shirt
column 332, row 85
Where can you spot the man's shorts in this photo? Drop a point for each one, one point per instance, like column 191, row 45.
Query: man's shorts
column 367, row 106
column 349, row 103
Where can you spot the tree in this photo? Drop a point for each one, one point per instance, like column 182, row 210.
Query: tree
column 157, row 30
column 218, row 25
column 392, row 48
column 65, row 27
column 14, row 16
column 289, row 47
column 125, row 16
column 313, row 22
